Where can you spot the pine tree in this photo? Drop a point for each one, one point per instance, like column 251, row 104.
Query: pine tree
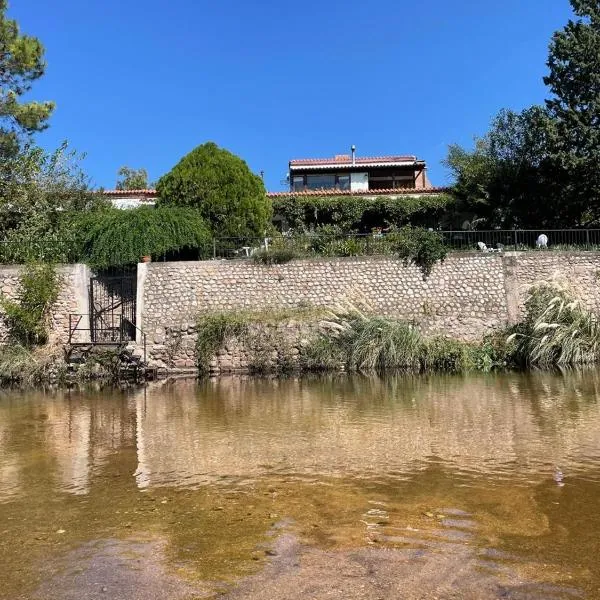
column 21, row 63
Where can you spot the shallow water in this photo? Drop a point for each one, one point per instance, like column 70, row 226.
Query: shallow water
column 499, row 472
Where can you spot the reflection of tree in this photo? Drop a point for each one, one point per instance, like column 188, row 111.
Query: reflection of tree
column 238, row 428
column 190, row 433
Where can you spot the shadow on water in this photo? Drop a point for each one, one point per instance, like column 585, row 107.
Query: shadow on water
column 496, row 477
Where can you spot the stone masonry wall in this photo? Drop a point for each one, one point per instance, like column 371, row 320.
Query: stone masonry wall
column 465, row 297
column 72, row 298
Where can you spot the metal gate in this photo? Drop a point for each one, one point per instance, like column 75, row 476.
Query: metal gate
column 112, row 308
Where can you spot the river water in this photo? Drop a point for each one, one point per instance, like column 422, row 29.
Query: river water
column 440, row 487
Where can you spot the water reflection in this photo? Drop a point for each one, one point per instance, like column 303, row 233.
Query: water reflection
column 520, row 427
column 485, row 467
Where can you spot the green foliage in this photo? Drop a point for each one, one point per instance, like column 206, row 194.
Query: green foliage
column 28, row 316
column 541, row 167
column 222, row 188
column 122, row 237
column 359, row 214
column 213, row 331
column 574, row 105
column 20, row 365
column 420, row 246
column 510, row 179
column 362, row 342
column 377, row 343
column 132, row 179
column 21, row 64
column 445, row 355
column 39, row 193
column 274, row 256
column 557, row 331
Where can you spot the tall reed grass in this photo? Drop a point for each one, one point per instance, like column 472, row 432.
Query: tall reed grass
column 557, row 331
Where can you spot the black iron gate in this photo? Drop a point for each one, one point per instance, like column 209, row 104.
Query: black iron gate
column 112, row 308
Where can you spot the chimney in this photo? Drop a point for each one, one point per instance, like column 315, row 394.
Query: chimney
column 353, row 155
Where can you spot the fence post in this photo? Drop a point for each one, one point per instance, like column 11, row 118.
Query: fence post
column 368, row 245
column 516, row 241
column 214, row 248
column 587, row 238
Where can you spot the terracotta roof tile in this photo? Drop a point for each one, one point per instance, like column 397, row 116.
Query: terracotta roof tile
column 347, row 159
column 146, row 192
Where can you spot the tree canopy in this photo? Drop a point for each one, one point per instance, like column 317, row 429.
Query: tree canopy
column 541, row 167
column 21, row 64
column 132, row 179
column 222, row 188
column 120, row 237
column 39, row 192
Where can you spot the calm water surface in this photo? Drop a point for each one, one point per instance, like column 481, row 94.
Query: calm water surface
column 501, row 470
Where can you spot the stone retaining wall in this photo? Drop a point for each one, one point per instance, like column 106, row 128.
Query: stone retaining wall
column 72, row 298
column 465, row 297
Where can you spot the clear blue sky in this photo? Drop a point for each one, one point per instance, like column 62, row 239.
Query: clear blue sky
column 142, row 82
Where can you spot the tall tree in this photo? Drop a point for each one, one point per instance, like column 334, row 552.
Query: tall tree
column 21, row 64
column 132, row 179
column 220, row 185
column 509, row 179
column 574, row 82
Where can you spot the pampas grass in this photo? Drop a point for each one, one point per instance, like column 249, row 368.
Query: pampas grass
column 557, row 331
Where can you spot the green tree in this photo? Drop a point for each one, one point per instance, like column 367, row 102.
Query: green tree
column 39, row 195
column 541, row 167
column 510, row 179
column 574, row 82
column 121, row 237
column 21, row 63
column 132, row 179
column 220, row 185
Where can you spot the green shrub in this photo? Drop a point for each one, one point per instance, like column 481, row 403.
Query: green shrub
column 419, row 246
column 322, row 354
column 213, row 331
column 20, row 365
column 344, row 247
column 122, row 237
column 28, row 316
column 222, row 188
column 356, row 213
column 274, row 256
column 377, row 343
column 446, row 355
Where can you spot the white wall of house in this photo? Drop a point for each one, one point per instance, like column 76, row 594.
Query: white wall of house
column 359, row 182
column 125, row 203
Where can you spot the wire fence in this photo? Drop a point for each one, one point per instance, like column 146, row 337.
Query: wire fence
column 322, row 244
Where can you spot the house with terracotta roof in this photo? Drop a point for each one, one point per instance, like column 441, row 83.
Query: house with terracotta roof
column 342, row 175
column 352, row 175
column 131, row 198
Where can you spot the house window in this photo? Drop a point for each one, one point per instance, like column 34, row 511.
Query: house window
column 343, row 182
column 298, row 183
column 320, row 182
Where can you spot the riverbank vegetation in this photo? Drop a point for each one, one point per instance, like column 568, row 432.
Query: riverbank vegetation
column 556, row 332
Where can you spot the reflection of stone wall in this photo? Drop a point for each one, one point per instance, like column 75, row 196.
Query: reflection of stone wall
column 466, row 297
column 71, row 299
column 516, row 426
column 513, row 427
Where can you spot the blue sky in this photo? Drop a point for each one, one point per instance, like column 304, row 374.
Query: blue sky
column 142, row 82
